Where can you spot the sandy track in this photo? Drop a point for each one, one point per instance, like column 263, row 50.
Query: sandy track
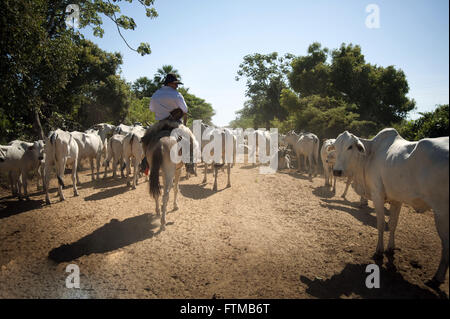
column 268, row 236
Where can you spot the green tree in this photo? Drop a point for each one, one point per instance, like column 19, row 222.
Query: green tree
column 430, row 124
column 379, row 93
column 139, row 112
column 324, row 116
column 38, row 57
column 198, row 109
column 144, row 87
column 162, row 72
column 310, row 74
column 266, row 77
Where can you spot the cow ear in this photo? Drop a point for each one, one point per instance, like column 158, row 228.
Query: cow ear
column 360, row 147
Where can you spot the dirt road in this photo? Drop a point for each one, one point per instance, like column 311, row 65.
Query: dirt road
column 268, row 236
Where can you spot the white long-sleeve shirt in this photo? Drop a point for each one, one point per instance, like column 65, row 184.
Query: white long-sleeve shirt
column 165, row 100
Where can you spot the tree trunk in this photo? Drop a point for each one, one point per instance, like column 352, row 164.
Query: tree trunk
column 37, row 125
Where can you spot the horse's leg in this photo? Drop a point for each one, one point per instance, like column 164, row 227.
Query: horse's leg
column 175, row 188
column 168, row 173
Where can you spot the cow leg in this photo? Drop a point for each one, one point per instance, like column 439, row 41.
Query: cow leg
column 378, row 201
column 206, row 172
column 91, row 161
column 114, row 166
column 298, row 162
column 106, row 164
column 16, row 176
column 74, row 174
column 347, row 185
column 121, row 163
column 45, row 182
column 135, row 173
column 40, row 176
column 441, row 220
column 363, row 202
column 310, row 167
column 175, row 188
column 325, row 173
column 333, row 179
column 128, row 170
column 216, row 172
column 60, row 166
column 229, row 175
column 98, row 165
column 25, row 184
column 393, row 220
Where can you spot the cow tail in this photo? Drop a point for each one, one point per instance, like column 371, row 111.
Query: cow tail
column 155, row 187
column 131, row 142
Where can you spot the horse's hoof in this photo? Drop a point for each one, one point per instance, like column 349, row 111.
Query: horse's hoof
column 433, row 283
column 378, row 256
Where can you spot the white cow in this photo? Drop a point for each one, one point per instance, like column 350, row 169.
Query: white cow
column 328, row 156
column 305, row 144
column 89, row 146
column 104, row 130
column 208, row 133
column 391, row 169
column 133, row 151
column 18, row 159
column 60, row 149
column 123, row 129
column 115, row 152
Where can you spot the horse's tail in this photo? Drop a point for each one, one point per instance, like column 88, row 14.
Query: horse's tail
column 157, row 158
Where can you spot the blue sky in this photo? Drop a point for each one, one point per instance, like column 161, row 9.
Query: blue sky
column 206, row 40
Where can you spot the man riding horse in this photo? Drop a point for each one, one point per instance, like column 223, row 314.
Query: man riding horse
column 169, row 107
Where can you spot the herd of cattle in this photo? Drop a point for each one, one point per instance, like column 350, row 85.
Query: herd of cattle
column 384, row 169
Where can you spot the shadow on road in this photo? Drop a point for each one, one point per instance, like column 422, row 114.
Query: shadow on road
column 296, row 174
column 197, row 191
column 363, row 214
column 110, row 192
column 324, row 192
column 15, row 206
column 352, row 279
column 114, row 235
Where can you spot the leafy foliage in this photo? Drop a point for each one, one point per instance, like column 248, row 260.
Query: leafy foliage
column 430, row 124
column 325, row 92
